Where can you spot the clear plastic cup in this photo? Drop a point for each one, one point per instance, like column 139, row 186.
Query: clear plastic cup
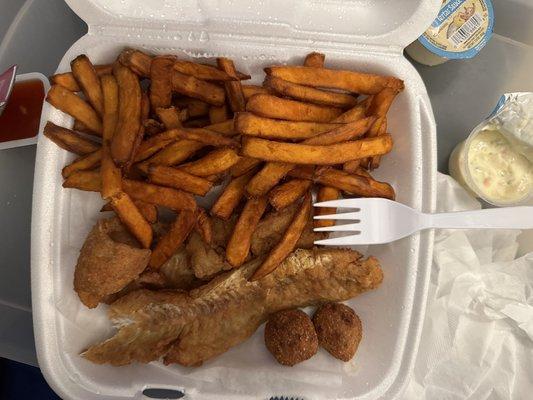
column 461, row 170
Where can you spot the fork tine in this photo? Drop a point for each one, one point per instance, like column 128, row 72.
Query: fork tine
column 340, row 228
column 343, row 203
column 340, row 241
column 350, row 215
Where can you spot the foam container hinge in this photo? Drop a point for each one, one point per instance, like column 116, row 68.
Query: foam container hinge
column 366, row 35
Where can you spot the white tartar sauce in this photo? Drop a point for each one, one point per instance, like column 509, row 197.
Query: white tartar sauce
column 499, row 173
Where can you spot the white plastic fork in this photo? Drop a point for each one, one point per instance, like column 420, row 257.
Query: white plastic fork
column 376, row 221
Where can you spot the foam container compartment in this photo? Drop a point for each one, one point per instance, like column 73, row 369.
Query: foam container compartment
column 365, row 35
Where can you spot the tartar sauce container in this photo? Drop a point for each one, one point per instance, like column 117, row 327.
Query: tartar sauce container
column 495, row 162
column 461, row 29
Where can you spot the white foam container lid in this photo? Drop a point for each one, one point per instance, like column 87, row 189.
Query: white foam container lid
column 365, row 35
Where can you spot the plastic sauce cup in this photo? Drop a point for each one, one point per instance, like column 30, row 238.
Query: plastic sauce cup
column 461, row 170
column 20, row 122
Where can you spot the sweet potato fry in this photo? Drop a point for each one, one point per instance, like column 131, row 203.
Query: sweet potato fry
column 106, row 207
column 137, row 61
column 110, row 174
column 230, row 197
column 233, row 88
column 353, row 184
column 148, row 211
column 310, row 94
column 202, row 90
column 252, row 125
column 315, row 60
column 173, row 239
column 343, row 133
column 326, row 193
column 218, row 114
column 162, row 196
column 152, row 127
column 195, row 108
column 161, row 81
column 351, row 81
column 88, row 181
column 272, row 172
column 145, row 113
column 287, row 242
column 206, row 136
column 287, row 193
column 351, row 166
column 129, row 115
column 178, row 179
column 80, row 127
column 69, row 140
column 158, row 142
column 65, row 80
column 174, row 153
column 244, row 165
column 267, row 178
column 89, row 82
column 381, row 129
column 270, row 106
column 381, row 102
column 213, row 163
column 239, row 243
column 68, row 81
column 89, row 161
column 70, row 103
column 205, row 72
column 353, row 114
column 132, row 218
column 226, row 128
column 363, row 172
column 319, row 155
column 250, row 90
column 170, row 117
column 204, row 226
column 152, row 145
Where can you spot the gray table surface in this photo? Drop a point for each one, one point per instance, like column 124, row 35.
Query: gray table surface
column 54, row 23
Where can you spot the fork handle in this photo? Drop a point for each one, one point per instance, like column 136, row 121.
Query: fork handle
column 502, row 218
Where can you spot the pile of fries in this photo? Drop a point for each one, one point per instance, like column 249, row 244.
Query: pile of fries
column 156, row 131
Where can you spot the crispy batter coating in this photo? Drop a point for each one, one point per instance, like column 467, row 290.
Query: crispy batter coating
column 291, row 337
column 339, row 330
column 108, row 261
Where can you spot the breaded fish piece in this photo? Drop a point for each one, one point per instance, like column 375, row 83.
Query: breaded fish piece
column 178, row 271
column 108, row 261
column 191, row 328
column 205, row 260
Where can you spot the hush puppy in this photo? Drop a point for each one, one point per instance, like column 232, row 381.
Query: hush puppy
column 291, row 337
column 339, row 330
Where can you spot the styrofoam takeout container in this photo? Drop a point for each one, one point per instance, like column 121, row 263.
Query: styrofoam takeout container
column 359, row 34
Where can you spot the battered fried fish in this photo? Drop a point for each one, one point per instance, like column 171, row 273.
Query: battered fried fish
column 190, row 328
column 109, row 260
column 206, row 260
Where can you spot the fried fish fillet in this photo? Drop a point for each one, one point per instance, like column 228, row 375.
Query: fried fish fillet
column 206, row 260
column 179, row 273
column 190, row 328
column 109, row 260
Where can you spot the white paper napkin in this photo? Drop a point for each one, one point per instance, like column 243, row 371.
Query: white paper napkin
column 477, row 340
